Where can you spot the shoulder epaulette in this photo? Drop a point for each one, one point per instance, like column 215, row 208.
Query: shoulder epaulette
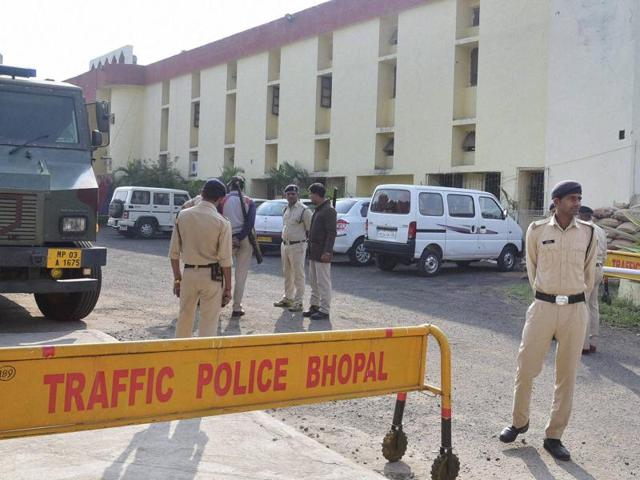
column 539, row 223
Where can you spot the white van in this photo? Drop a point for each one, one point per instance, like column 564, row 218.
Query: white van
column 145, row 211
column 431, row 225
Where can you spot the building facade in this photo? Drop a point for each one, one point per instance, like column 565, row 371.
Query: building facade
column 508, row 96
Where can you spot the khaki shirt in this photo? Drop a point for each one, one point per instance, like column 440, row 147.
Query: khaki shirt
column 601, row 253
column 561, row 262
column 192, row 202
column 296, row 222
column 201, row 236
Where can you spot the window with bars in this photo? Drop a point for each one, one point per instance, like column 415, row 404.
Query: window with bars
column 536, row 190
column 325, row 91
column 475, row 16
column 275, row 101
column 196, row 115
column 454, row 180
column 492, row 183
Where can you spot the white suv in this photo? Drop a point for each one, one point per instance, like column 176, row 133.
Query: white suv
column 351, row 228
column 145, row 211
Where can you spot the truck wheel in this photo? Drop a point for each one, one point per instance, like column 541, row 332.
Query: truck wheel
column 70, row 307
column 430, row 263
column 386, row 263
column 146, row 228
column 359, row 255
column 507, row 259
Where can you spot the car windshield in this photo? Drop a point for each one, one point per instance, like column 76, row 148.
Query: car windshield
column 343, row 206
column 391, row 201
column 49, row 119
column 271, row 209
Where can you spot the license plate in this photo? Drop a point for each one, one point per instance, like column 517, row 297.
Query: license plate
column 64, row 258
column 265, row 239
column 122, row 228
column 387, row 234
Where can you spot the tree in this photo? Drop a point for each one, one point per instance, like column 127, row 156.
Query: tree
column 229, row 171
column 286, row 174
column 147, row 173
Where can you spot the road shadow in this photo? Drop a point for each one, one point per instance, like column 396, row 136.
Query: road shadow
column 398, row 471
column 15, row 318
column 289, row 322
column 160, row 455
column 539, row 470
column 604, row 364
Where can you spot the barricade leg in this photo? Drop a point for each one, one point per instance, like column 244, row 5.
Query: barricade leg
column 394, row 444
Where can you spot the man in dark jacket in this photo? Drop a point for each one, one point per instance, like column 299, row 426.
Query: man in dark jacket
column 322, row 236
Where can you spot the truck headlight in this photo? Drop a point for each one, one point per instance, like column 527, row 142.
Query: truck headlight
column 74, row 224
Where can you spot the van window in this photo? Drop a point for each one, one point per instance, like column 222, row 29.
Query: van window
column 140, row 198
column 391, row 201
column 461, row 206
column 160, row 198
column 490, row 209
column 120, row 195
column 431, row 204
column 179, row 199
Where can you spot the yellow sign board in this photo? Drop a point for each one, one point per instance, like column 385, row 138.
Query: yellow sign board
column 64, row 258
column 49, row 389
column 620, row 259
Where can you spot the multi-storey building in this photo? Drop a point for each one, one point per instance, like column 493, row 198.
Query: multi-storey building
column 509, row 96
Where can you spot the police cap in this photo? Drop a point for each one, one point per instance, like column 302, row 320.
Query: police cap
column 213, row 189
column 291, row 188
column 584, row 210
column 565, row 188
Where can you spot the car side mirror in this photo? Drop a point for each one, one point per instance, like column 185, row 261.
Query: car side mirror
column 103, row 117
column 96, row 138
column 504, row 214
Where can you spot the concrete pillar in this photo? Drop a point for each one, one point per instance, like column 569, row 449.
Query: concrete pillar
column 630, row 291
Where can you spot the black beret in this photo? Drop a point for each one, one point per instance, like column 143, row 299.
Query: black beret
column 565, row 188
column 291, row 188
column 585, row 210
column 214, row 188
column 552, row 206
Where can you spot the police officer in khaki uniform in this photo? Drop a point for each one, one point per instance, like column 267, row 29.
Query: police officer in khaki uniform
column 296, row 222
column 561, row 258
column 202, row 239
column 593, row 329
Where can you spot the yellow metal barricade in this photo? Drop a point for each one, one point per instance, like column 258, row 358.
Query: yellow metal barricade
column 617, row 262
column 52, row 389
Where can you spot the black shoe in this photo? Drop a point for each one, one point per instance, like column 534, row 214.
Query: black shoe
column 556, row 449
column 586, row 351
column 509, row 434
column 237, row 313
column 320, row 316
column 312, row 309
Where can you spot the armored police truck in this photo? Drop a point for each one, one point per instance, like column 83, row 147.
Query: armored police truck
column 49, row 194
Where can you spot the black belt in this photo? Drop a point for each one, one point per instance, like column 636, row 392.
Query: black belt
column 561, row 299
column 186, row 265
column 293, row 243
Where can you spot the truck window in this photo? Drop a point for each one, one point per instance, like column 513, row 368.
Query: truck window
column 140, row 197
column 461, row 206
column 391, row 201
column 160, row 198
column 26, row 116
column 431, row 204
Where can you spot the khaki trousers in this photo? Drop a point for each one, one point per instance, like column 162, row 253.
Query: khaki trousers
column 242, row 262
column 593, row 329
column 293, row 270
column 197, row 286
column 544, row 320
column 320, row 279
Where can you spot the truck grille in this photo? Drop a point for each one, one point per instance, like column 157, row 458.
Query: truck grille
column 18, row 216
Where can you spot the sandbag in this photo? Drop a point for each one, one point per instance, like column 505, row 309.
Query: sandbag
column 628, row 227
column 609, row 222
column 621, row 215
column 621, row 243
column 620, row 205
column 603, row 212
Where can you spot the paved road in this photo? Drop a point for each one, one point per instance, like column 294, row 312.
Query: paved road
column 482, row 322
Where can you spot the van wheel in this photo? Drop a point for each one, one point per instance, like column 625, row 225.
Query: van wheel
column 386, row 263
column 359, row 255
column 507, row 259
column 430, row 263
column 146, row 228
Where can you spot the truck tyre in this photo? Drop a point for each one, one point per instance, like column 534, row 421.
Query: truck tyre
column 386, row 263
column 70, row 307
column 507, row 259
column 146, row 228
column 358, row 254
column 430, row 263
